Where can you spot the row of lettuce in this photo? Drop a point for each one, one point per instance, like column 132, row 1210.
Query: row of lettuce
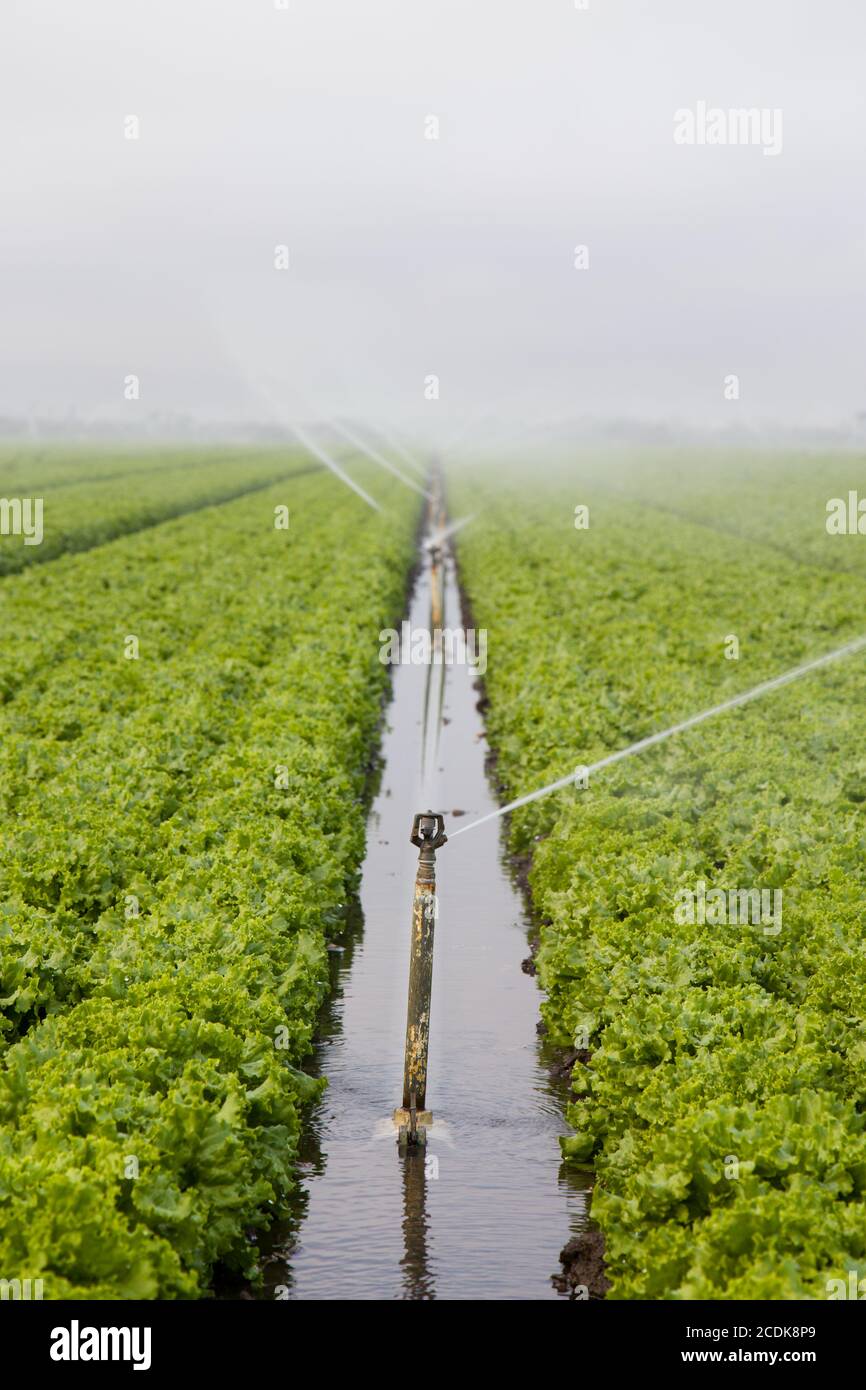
column 722, row 1061
column 60, row 501
column 807, row 507
column 184, row 821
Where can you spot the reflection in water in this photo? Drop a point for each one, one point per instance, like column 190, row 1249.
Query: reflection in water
column 417, row 1280
column 435, row 550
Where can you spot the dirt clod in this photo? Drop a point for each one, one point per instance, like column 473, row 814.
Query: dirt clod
column 583, row 1267
column 563, row 1066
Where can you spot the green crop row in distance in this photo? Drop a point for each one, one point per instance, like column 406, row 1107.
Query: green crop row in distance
column 182, row 829
column 73, row 503
column 27, row 467
column 721, row 1100
column 784, row 503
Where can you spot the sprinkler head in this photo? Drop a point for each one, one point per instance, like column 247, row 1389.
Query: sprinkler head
column 428, row 830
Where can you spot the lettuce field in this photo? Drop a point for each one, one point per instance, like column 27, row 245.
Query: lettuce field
column 189, row 714
column 196, row 713
column 718, row 1078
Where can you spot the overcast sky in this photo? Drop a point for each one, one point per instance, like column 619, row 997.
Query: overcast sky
column 409, row 257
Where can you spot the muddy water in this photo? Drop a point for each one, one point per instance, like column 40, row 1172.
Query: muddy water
column 485, row 1211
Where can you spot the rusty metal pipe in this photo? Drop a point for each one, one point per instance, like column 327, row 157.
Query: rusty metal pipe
column 436, row 598
column 428, row 833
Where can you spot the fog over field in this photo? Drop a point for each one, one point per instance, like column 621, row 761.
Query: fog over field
column 431, row 170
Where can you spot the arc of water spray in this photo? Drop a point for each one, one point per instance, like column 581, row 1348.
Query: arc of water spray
column 324, row 457
column 763, row 689
column 311, row 446
column 376, row 457
column 397, row 448
column 335, row 468
column 259, row 388
column 435, row 541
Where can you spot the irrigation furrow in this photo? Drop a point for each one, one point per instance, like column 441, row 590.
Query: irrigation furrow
column 485, row 1210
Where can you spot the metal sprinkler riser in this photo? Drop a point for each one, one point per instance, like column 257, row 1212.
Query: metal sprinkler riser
column 428, row 834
